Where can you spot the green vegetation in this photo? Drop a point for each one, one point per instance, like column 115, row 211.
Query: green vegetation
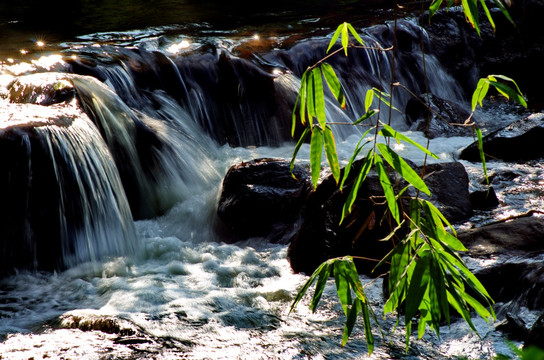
column 427, row 277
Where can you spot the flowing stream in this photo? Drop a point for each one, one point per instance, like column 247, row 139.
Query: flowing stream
column 177, row 290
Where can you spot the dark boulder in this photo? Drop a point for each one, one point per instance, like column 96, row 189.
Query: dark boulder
column 448, row 183
column 437, row 117
column 518, row 279
column 535, row 337
column 519, row 141
column 260, row 194
column 484, row 199
column 515, row 237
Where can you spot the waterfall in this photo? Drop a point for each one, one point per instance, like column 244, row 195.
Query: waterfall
column 63, row 202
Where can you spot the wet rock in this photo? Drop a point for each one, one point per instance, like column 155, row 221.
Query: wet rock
column 519, row 141
column 448, row 183
column 41, row 89
column 518, row 236
column 514, row 326
column 260, row 194
column 436, row 117
column 96, row 322
column 521, row 283
column 536, row 334
column 484, row 199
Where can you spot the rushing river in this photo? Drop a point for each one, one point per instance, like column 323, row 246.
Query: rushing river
column 182, row 292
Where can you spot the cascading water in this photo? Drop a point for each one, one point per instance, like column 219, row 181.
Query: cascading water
column 160, row 131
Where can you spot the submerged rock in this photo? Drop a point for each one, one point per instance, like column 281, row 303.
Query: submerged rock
column 519, row 141
column 519, row 279
column 260, row 194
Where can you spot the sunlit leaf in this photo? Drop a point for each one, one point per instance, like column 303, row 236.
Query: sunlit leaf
column 316, row 148
column 368, row 328
column 508, row 92
column 470, row 8
column 342, row 285
column 481, row 151
column 433, row 8
column 402, row 168
column 488, row 15
column 301, row 141
column 307, row 285
column 330, row 151
column 350, row 321
column 369, row 97
column 334, row 84
column 355, row 34
column 365, row 168
column 388, row 131
column 367, row 115
column 324, row 275
column 387, row 187
column 335, row 36
column 319, row 97
column 418, row 285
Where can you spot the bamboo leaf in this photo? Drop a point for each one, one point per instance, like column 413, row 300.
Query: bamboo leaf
column 316, row 148
column 365, row 168
column 330, row 151
column 418, row 285
column 345, row 37
column 319, row 97
column 488, row 14
column 402, row 168
column 433, row 8
column 500, row 5
column 342, row 285
column 310, row 97
column 480, row 93
column 307, row 285
column 387, row 187
column 301, row 141
column 335, row 37
column 470, row 8
column 368, row 329
column 369, row 98
column 334, row 84
column 508, row 92
column 350, row 321
column 388, row 131
column 355, row 34
column 324, row 275
column 367, row 115
column 481, row 151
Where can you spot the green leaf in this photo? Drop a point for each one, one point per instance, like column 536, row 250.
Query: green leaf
column 350, row 321
column 335, row 36
column 330, row 151
column 316, row 148
column 488, row 14
column 382, row 96
column 368, row 99
column 301, row 141
column 418, row 285
column 334, row 84
column 356, row 152
column 387, row 187
column 470, row 8
column 345, row 37
column 508, row 92
column 388, row 131
column 310, row 96
column 367, row 115
column 433, row 8
column 368, row 329
column 355, row 34
column 402, row 168
column 324, row 275
column 319, row 97
column 500, row 5
column 429, row 206
column 307, row 285
column 479, row 93
column 481, row 151
column 342, row 285
column 365, row 168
